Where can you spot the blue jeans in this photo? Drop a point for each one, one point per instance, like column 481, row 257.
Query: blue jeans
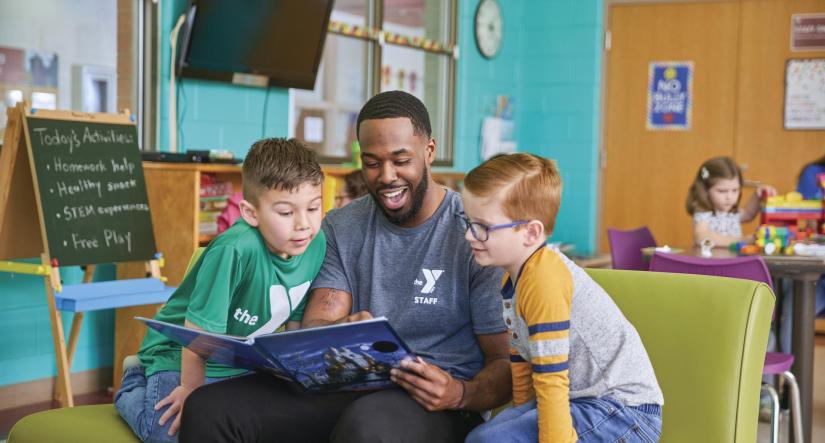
column 786, row 322
column 136, row 399
column 595, row 420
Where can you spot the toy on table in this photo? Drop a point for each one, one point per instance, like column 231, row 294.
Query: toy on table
column 707, row 247
column 790, row 225
column 744, row 248
column 801, row 217
column 774, row 239
column 809, row 249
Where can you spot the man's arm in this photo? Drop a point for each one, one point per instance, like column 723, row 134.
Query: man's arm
column 492, row 386
column 436, row 390
column 327, row 306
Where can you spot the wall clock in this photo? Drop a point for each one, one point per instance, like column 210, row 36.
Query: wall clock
column 488, row 27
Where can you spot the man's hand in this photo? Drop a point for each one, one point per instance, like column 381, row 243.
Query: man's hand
column 430, row 386
column 358, row 316
column 175, row 399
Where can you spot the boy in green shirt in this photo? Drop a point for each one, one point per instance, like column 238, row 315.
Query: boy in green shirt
column 251, row 280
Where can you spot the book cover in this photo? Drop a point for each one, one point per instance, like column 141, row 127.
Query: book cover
column 344, row 357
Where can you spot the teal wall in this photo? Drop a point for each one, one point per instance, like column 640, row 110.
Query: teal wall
column 26, row 350
column 560, row 108
column 216, row 115
column 549, row 64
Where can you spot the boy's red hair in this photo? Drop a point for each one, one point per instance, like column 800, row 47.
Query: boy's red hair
column 528, row 186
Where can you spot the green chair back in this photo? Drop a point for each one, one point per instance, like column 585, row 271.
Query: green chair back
column 80, row 424
column 706, row 337
column 194, row 259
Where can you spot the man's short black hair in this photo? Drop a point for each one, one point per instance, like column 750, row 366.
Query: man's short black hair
column 394, row 104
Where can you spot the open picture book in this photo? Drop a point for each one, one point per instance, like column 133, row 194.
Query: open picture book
column 345, row 357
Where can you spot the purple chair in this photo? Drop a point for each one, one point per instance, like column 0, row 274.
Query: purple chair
column 748, row 268
column 626, row 248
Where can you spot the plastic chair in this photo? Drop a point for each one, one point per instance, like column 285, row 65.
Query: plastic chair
column 706, row 339
column 626, row 248
column 699, row 353
column 748, row 268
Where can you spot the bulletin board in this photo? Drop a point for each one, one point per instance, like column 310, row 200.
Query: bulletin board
column 805, row 94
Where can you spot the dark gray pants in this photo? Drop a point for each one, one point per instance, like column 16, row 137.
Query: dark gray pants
column 262, row 408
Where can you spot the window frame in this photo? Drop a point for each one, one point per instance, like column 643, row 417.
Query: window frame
column 374, row 38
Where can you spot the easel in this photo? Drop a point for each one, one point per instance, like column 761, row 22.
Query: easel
column 20, row 205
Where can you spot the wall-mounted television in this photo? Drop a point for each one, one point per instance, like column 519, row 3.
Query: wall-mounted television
column 255, row 42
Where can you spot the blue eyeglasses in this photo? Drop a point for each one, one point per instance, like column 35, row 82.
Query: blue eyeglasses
column 480, row 231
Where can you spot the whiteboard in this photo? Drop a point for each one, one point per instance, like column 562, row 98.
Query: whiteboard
column 805, row 94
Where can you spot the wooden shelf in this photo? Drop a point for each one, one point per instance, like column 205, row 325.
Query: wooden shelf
column 204, row 239
column 219, row 168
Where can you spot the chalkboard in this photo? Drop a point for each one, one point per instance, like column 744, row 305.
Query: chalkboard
column 805, row 94
column 92, row 191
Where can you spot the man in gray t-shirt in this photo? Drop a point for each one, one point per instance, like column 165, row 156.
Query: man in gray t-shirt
column 400, row 253
column 422, row 278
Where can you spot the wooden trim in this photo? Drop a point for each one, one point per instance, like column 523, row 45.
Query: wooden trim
column 336, row 170
column 91, row 117
column 63, row 390
column 17, row 240
column 24, row 127
column 8, row 157
column 202, row 167
column 38, row 391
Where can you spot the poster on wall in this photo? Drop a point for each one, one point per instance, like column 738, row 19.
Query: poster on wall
column 669, row 96
column 805, row 94
column 807, row 32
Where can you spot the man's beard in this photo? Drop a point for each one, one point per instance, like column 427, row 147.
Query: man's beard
column 402, row 218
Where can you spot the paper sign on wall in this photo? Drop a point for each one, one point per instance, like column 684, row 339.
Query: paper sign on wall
column 807, row 32
column 669, row 96
column 805, row 94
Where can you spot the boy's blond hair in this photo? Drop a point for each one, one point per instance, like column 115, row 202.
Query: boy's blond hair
column 278, row 163
column 528, row 186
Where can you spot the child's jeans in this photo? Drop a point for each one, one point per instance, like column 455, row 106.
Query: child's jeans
column 136, row 399
column 595, row 420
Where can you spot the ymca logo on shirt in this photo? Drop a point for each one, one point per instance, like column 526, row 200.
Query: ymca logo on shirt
column 281, row 303
column 428, row 285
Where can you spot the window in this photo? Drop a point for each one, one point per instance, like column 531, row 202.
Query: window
column 374, row 46
column 47, row 47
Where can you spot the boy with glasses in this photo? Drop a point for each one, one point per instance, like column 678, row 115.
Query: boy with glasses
column 579, row 368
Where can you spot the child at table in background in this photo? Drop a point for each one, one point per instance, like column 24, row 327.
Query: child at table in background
column 808, row 185
column 354, row 187
column 713, row 201
column 579, row 368
column 251, row 280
